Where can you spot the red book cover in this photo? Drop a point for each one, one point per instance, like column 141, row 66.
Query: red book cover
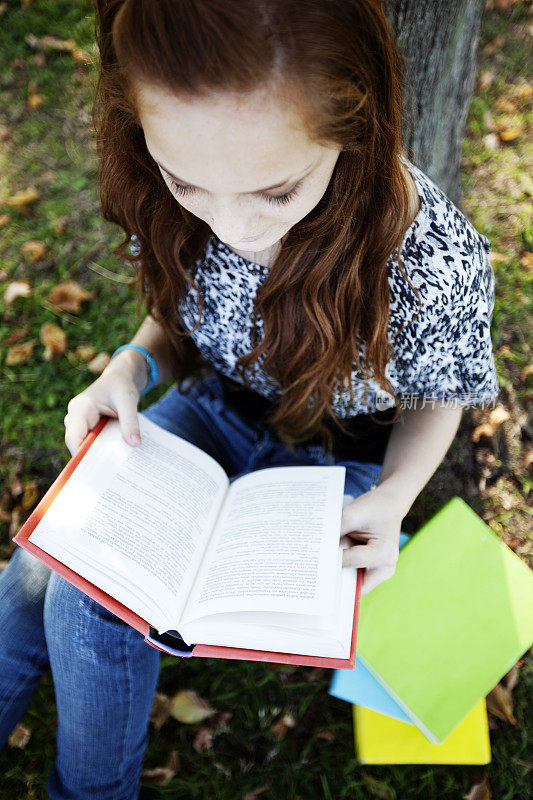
column 128, row 616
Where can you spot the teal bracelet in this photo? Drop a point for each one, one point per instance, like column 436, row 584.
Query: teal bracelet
column 151, row 364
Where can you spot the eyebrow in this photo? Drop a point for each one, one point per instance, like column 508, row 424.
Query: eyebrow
column 257, row 191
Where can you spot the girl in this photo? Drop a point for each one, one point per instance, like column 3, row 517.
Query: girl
column 315, row 296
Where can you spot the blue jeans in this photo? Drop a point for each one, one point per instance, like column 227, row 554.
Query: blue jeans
column 105, row 675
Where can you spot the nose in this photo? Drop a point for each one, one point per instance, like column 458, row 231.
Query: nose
column 231, row 224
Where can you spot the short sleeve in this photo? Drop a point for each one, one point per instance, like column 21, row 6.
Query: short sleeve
column 470, row 340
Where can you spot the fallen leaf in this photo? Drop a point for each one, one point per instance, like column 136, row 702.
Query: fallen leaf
column 19, row 353
column 479, row 791
column 39, row 59
column 505, row 106
column 498, row 415
column 22, row 198
column 5, row 219
column 54, row 340
column 55, row 43
column 68, row 296
column 494, row 257
column 485, row 429
column 328, row 735
column 161, row 776
column 33, row 249
column 528, row 459
column 5, row 132
column 500, row 703
column 99, row 363
column 30, row 496
column 160, row 710
column 491, row 141
column 4, row 274
column 35, row 99
column 256, row 792
column 60, row 224
column 20, row 737
column 511, row 678
column 485, row 80
column 378, row 789
column 203, row 740
column 523, row 91
column 81, row 55
column 84, row 352
column 282, row 726
column 526, row 260
column 509, row 134
column 16, row 289
column 16, row 335
column 187, row 706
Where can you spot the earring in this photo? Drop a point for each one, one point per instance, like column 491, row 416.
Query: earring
column 212, row 219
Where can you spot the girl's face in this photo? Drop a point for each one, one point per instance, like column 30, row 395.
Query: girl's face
column 245, row 161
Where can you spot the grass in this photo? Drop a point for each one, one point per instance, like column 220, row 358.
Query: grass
column 50, row 147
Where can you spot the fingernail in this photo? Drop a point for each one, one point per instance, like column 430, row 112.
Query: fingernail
column 135, row 438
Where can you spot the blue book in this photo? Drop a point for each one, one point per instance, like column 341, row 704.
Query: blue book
column 358, row 686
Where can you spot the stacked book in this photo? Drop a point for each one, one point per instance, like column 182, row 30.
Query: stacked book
column 433, row 641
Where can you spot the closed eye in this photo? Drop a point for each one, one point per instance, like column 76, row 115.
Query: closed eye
column 279, row 199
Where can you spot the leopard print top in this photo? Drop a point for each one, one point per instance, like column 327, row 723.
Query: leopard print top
column 445, row 354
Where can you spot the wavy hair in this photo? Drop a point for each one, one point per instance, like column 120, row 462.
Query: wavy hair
column 325, row 300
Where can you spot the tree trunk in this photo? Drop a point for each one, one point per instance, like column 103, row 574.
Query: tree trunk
column 437, row 40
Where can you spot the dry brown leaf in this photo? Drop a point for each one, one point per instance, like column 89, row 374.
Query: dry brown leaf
column 479, row 791
column 16, row 335
column 505, row 106
column 256, row 792
column 84, row 352
column 60, row 224
column 328, row 735
column 5, row 219
column 494, row 257
column 282, row 726
column 203, row 740
column 34, row 249
column 57, row 44
column 22, row 199
column 511, row 678
column 187, row 706
column 20, row 737
column 5, row 132
column 16, row 289
column 482, row 430
column 35, row 99
column 523, row 91
column 528, row 459
column 97, row 364
column 498, row 415
column 19, row 353
column 68, row 296
column 378, row 789
column 160, row 710
column 81, row 55
column 54, row 340
column 485, row 80
column 30, row 496
column 4, row 274
column 509, row 134
column 527, row 260
column 161, row 776
column 16, row 488
column 500, row 704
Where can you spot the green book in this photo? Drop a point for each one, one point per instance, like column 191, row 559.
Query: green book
column 453, row 619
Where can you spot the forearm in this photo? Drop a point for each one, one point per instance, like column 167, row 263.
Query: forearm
column 152, row 337
column 418, row 442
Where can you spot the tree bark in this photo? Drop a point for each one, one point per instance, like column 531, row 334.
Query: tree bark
column 438, row 41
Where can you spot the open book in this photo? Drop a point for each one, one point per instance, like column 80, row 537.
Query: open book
column 249, row 568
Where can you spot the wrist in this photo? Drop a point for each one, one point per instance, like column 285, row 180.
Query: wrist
column 134, row 364
column 397, row 496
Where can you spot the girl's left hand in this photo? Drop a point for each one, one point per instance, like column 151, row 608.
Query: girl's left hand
column 374, row 520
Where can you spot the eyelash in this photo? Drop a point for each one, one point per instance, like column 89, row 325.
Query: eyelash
column 280, row 199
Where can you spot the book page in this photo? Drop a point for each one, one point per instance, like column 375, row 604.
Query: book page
column 275, row 546
column 146, row 511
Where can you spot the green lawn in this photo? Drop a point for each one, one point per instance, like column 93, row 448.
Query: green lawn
column 49, row 147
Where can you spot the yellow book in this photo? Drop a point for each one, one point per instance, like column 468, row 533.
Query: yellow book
column 380, row 739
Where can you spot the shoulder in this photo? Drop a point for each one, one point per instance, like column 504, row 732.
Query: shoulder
column 443, row 254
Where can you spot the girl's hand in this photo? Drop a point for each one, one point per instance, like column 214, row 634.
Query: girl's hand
column 114, row 394
column 374, row 520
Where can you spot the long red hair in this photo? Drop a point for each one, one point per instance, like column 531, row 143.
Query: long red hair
column 325, row 300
